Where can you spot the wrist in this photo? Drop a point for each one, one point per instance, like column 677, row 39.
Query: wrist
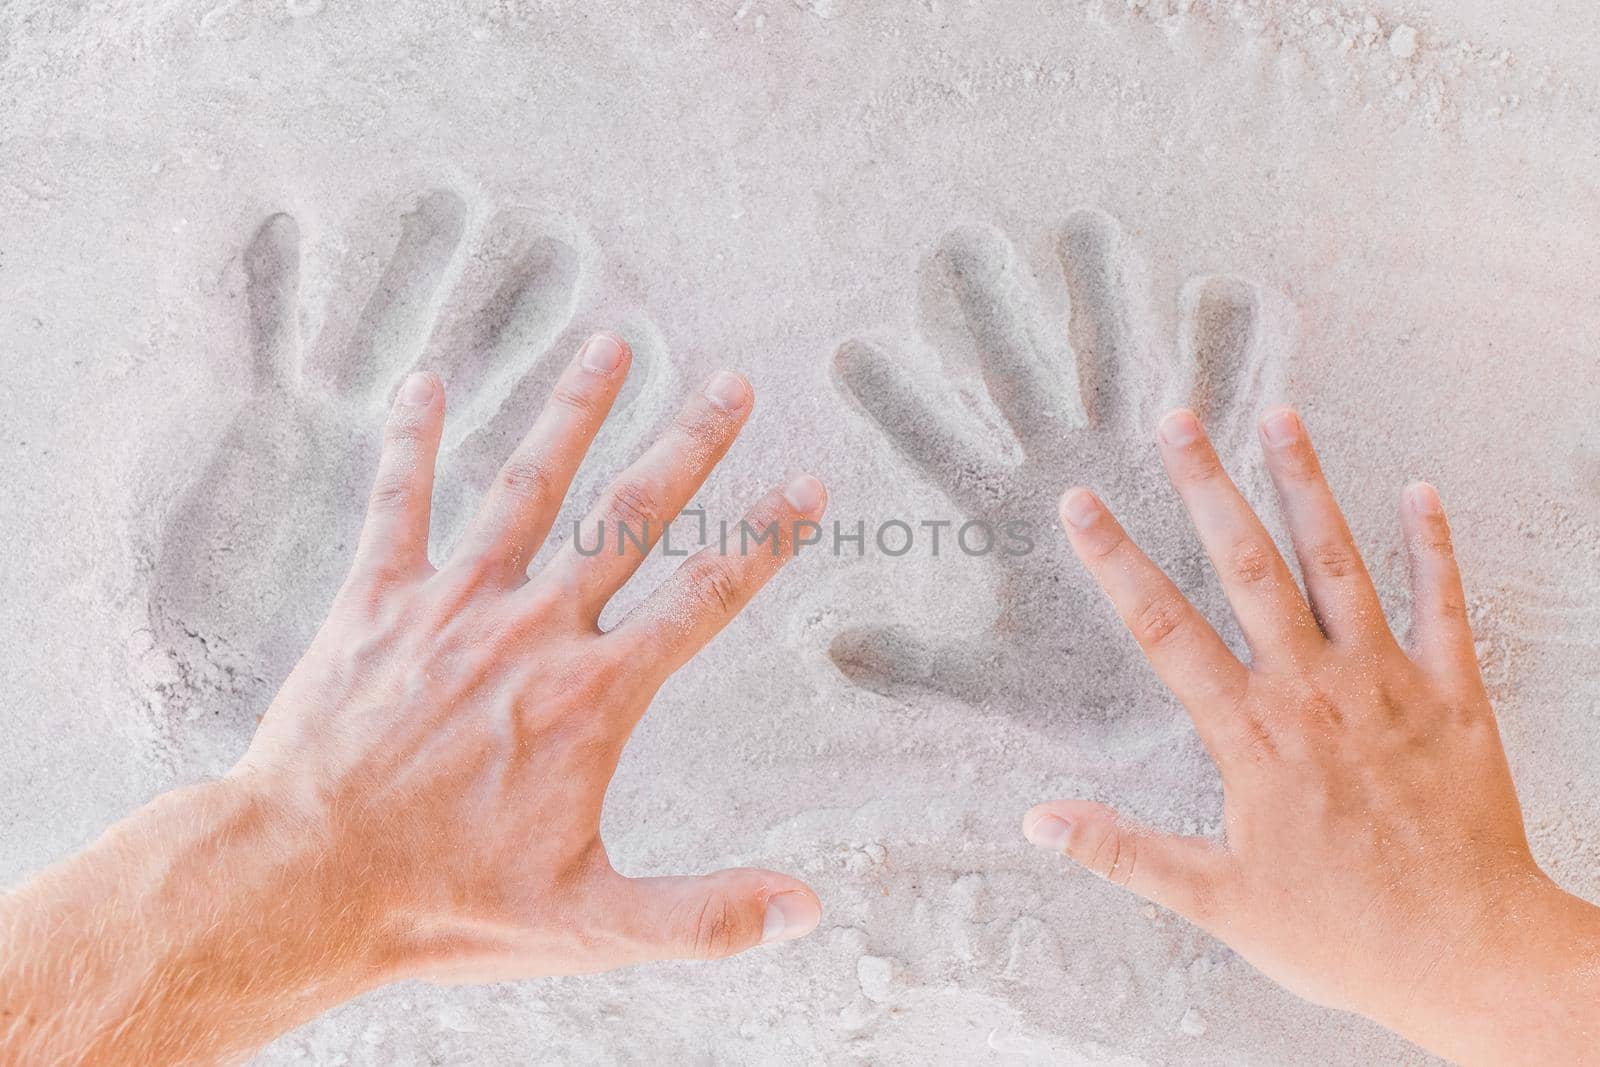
column 1505, row 994
column 244, row 917
column 316, row 899
column 207, row 922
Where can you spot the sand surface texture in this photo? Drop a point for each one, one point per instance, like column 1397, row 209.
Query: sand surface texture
column 965, row 252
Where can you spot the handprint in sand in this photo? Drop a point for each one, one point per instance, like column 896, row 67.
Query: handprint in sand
column 1059, row 403
column 246, row 555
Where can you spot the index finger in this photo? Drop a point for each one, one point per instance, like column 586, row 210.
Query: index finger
column 1186, row 652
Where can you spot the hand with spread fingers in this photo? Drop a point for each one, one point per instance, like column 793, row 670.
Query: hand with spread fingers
column 1374, row 857
column 423, row 796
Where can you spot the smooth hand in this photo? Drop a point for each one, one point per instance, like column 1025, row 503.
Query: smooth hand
column 1374, row 857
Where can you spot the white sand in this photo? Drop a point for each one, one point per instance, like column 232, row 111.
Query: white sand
column 1387, row 212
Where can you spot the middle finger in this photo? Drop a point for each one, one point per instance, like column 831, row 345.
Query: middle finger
column 1265, row 599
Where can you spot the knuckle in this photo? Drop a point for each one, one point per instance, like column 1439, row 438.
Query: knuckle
column 1391, row 708
column 1333, row 559
column 1450, row 604
column 635, row 503
column 1125, row 861
column 1202, row 465
column 1158, row 620
column 1106, row 852
column 390, row 492
column 714, row 929
column 525, row 478
column 1436, row 538
column 1106, row 544
column 1257, row 742
column 1317, row 707
column 1250, row 562
column 574, row 400
column 716, row 587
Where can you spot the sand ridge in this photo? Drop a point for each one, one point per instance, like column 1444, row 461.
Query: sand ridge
column 1076, row 400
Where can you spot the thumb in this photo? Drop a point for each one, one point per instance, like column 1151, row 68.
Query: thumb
column 1176, row 872
column 710, row 916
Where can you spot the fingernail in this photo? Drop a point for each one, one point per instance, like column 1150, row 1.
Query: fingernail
column 602, row 353
column 728, row 391
column 1050, row 833
column 1080, row 508
column 789, row 915
column 1281, row 426
column 805, row 494
column 1179, row 427
column 1424, row 499
column 418, row 389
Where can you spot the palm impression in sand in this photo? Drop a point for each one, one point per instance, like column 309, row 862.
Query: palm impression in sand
column 490, row 300
column 1060, row 404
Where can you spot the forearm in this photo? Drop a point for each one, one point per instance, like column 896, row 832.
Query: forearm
column 195, row 930
column 1533, row 997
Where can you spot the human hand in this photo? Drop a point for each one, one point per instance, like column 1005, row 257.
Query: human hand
column 450, row 734
column 423, row 797
column 1374, row 857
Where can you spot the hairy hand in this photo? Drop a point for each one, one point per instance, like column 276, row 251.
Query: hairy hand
column 1374, row 856
column 449, row 736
